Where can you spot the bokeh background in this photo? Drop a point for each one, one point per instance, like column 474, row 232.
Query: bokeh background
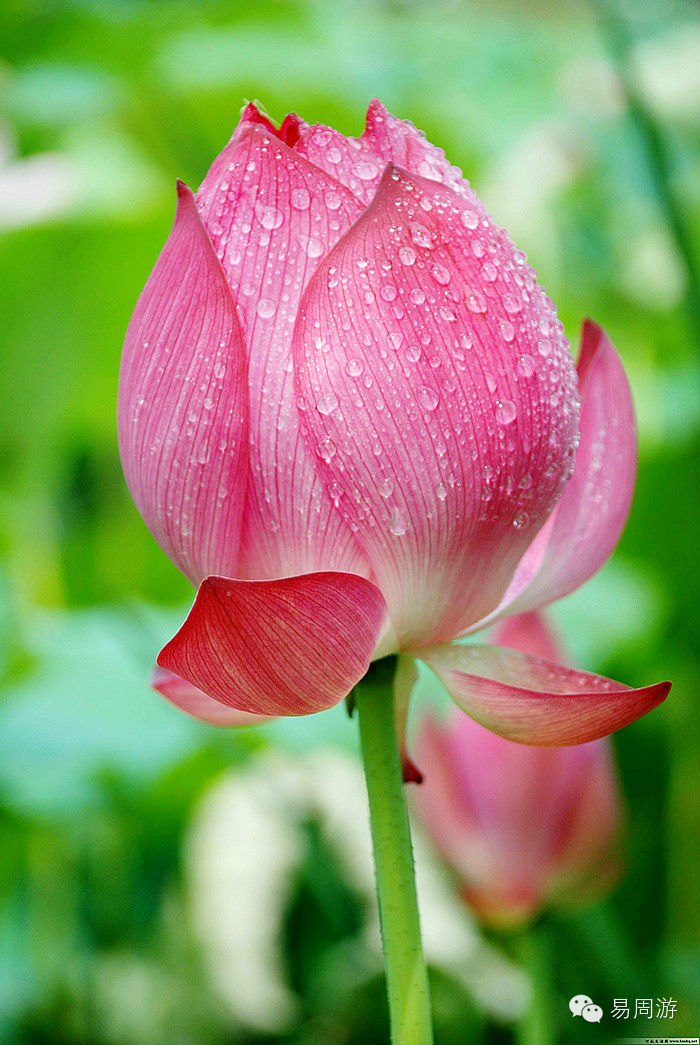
column 165, row 883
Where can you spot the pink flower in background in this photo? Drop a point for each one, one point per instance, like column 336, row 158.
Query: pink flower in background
column 349, row 414
column 520, row 826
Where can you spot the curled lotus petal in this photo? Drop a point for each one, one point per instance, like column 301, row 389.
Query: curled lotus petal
column 447, row 456
column 196, row 703
column 586, row 524
column 283, row 647
column 183, row 403
column 530, row 633
column 534, row 701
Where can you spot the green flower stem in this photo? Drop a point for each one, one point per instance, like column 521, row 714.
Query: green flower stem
column 537, row 1025
column 406, row 974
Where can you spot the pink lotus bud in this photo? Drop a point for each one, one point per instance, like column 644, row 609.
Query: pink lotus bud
column 347, row 412
column 521, row 826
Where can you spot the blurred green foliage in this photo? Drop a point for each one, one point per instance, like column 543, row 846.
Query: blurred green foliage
column 104, row 103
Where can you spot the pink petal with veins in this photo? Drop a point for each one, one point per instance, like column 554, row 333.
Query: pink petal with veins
column 279, row 647
column 586, row 524
column 183, row 403
column 529, row 633
column 519, row 825
column 196, row 703
column 272, row 216
column 401, row 143
column 447, row 431
column 347, row 160
column 535, row 701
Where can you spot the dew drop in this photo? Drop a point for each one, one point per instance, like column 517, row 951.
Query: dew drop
column 269, row 217
column 489, row 271
column 526, row 366
column 428, row 398
column 407, row 256
column 327, row 404
column 506, row 412
column 386, row 488
column 300, row 199
column 397, row 525
column 354, row 367
column 265, row 308
column 388, row 292
column 476, row 302
column 420, row 235
column 365, row 170
column 441, row 275
column 326, row 450
column 507, row 331
column 469, row 219
column 312, row 245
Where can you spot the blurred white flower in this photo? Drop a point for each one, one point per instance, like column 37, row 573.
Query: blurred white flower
column 246, row 842
column 592, row 87
column 667, row 70
column 34, row 188
column 651, row 273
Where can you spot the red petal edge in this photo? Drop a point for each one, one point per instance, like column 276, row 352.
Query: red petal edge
column 282, row 647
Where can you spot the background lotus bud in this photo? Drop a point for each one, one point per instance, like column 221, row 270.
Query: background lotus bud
column 347, row 412
column 521, row 827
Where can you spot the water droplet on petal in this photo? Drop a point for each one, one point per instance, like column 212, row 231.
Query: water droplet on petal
column 420, row 235
column 441, row 275
column 327, row 403
column 365, row 170
column 397, row 525
column 476, row 302
column 526, row 366
column 428, row 397
column 354, row 367
column 506, row 412
column 269, row 217
column 265, row 308
column 507, row 331
column 326, row 450
column 312, row 245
